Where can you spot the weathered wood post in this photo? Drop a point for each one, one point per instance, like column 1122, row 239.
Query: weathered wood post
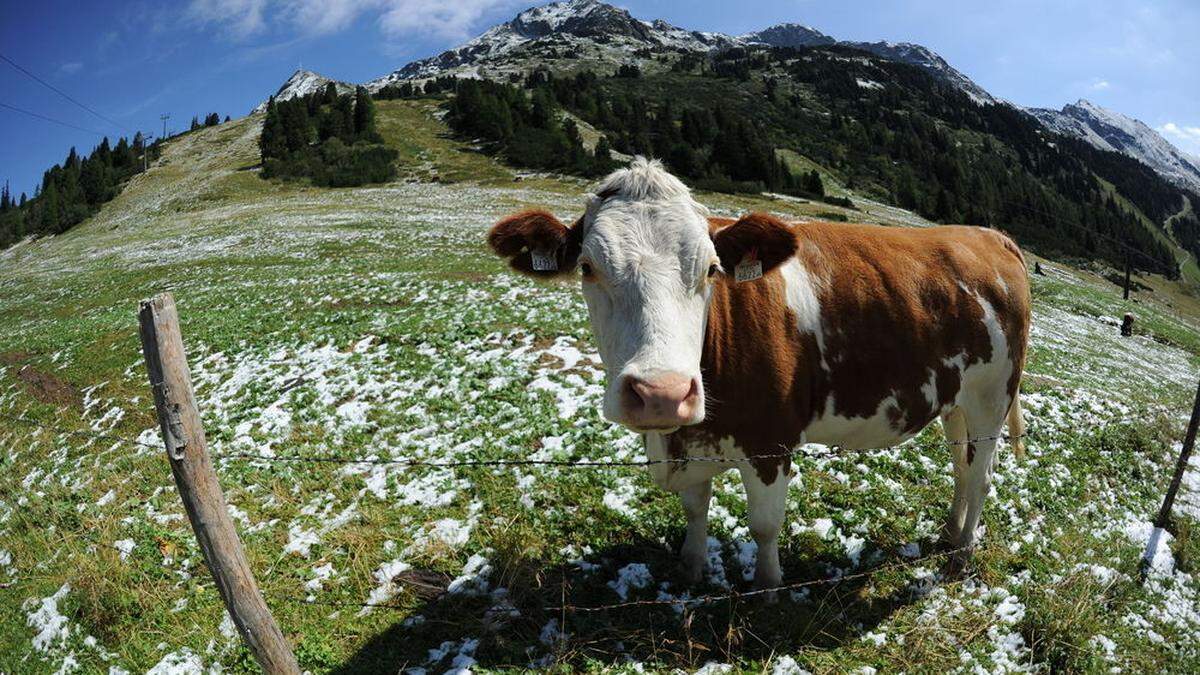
column 1127, row 273
column 1127, row 325
column 1164, row 513
column 187, row 451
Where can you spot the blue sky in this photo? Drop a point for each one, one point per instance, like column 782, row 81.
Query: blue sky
column 132, row 61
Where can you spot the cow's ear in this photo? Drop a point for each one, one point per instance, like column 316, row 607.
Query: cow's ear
column 536, row 243
column 754, row 238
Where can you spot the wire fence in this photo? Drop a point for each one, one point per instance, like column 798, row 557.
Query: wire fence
column 802, row 452
column 684, row 601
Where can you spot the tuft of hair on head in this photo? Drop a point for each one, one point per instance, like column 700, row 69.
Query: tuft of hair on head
column 643, row 180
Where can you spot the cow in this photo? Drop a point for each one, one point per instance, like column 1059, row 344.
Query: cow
column 746, row 339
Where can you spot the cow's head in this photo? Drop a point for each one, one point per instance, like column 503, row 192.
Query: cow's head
column 649, row 258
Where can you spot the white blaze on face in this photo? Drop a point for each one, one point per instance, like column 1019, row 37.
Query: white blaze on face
column 645, row 259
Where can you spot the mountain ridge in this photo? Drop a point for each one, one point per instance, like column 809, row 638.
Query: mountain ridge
column 573, row 20
column 596, row 32
column 302, row 83
column 1110, row 130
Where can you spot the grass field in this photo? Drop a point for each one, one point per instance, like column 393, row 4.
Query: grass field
column 371, row 323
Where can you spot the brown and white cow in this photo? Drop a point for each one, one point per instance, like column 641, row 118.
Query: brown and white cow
column 854, row 335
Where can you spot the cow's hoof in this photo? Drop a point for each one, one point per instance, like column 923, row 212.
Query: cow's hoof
column 957, row 564
column 690, row 573
column 950, row 534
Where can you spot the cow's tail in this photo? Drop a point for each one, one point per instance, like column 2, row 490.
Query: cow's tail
column 1016, row 426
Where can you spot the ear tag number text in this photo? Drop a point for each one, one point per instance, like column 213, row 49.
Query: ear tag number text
column 748, row 271
column 544, row 262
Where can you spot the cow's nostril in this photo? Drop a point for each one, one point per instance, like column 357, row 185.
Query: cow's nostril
column 631, row 398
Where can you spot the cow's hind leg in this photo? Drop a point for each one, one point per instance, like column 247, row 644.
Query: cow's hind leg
column 976, row 480
column 695, row 499
column 954, row 425
column 766, row 504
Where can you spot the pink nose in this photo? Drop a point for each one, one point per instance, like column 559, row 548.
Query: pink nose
column 668, row 400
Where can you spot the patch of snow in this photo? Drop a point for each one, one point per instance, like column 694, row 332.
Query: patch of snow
column 633, row 575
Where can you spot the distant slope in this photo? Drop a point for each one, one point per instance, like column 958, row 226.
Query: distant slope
column 580, row 35
column 1110, row 130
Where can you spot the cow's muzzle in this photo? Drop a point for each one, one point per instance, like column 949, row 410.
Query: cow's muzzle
column 663, row 402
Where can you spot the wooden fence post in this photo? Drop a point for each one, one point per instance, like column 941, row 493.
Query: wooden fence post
column 1181, row 465
column 187, row 452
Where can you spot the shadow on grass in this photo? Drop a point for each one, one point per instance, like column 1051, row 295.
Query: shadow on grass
column 526, row 626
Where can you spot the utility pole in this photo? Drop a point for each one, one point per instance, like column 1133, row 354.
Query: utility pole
column 1127, row 270
column 164, row 117
column 146, row 152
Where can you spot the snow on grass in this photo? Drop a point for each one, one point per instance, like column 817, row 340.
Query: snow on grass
column 50, row 625
column 181, row 662
column 362, row 324
column 629, row 577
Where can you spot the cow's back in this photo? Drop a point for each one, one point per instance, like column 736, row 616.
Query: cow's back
column 867, row 335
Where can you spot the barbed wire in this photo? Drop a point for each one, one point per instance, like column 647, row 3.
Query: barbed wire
column 737, row 595
column 831, row 452
column 699, row 600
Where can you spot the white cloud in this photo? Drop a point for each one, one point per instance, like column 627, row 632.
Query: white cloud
column 327, row 16
column 1186, row 138
column 397, row 18
column 445, row 19
column 70, row 68
column 1099, row 85
column 241, row 18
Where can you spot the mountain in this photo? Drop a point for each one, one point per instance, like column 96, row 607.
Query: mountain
column 302, row 83
column 584, row 34
column 797, row 35
column 602, row 33
column 1109, row 130
column 788, row 35
column 574, row 25
column 916, row 55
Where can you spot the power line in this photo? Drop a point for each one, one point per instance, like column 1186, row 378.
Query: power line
column 52, row 120
column 64, row 94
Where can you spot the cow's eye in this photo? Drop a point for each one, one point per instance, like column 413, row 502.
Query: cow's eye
column 712, row 270
column 585, row 269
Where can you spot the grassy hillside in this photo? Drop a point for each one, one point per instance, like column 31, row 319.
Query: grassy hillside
column 370, row 323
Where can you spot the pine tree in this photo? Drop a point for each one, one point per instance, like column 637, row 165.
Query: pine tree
column 51, row 208
column 813, row 184
column 364, row 116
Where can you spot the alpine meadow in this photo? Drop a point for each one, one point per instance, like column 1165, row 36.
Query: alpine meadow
column 414, row 441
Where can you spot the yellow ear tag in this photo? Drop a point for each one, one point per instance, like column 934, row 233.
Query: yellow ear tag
column 748, row 271
column 543, row 262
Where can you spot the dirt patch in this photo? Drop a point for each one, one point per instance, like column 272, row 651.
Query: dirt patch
column 15, row 357
column 47, row 388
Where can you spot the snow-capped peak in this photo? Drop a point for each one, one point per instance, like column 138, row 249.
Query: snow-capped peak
column 788, row 35
column 1110, row 130
column 600, row 32
column 302, row 83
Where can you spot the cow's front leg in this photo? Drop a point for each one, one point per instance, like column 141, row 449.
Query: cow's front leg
column 766, row 504
column 695, row 544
